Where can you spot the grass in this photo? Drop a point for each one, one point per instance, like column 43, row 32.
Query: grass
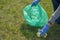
column 13, row 25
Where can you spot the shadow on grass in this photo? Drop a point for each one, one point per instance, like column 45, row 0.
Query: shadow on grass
column 30, row 32
column 54, row 33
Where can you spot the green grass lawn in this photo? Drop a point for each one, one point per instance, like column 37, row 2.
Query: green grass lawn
column 13, row 25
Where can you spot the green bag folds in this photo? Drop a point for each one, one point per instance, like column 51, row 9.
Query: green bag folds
column 35, row 15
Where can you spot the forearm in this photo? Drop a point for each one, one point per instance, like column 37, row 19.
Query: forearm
column 55, row 15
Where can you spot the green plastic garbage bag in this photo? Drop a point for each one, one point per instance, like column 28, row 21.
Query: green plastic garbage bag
column 35, row 16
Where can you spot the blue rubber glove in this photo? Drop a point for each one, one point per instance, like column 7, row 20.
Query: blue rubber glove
column 35, row 2
column 44, row 30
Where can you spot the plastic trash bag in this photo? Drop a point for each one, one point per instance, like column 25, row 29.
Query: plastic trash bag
column 35, row 15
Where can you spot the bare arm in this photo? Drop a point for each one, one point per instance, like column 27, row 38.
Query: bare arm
column 55, row 15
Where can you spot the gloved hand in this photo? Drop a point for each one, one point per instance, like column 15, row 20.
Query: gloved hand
column 43, row 32
column 35, row 2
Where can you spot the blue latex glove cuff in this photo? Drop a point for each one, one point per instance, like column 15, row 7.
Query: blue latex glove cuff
column 45, row 29
column 35, row 2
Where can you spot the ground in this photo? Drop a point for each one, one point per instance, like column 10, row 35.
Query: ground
column 13, row 25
